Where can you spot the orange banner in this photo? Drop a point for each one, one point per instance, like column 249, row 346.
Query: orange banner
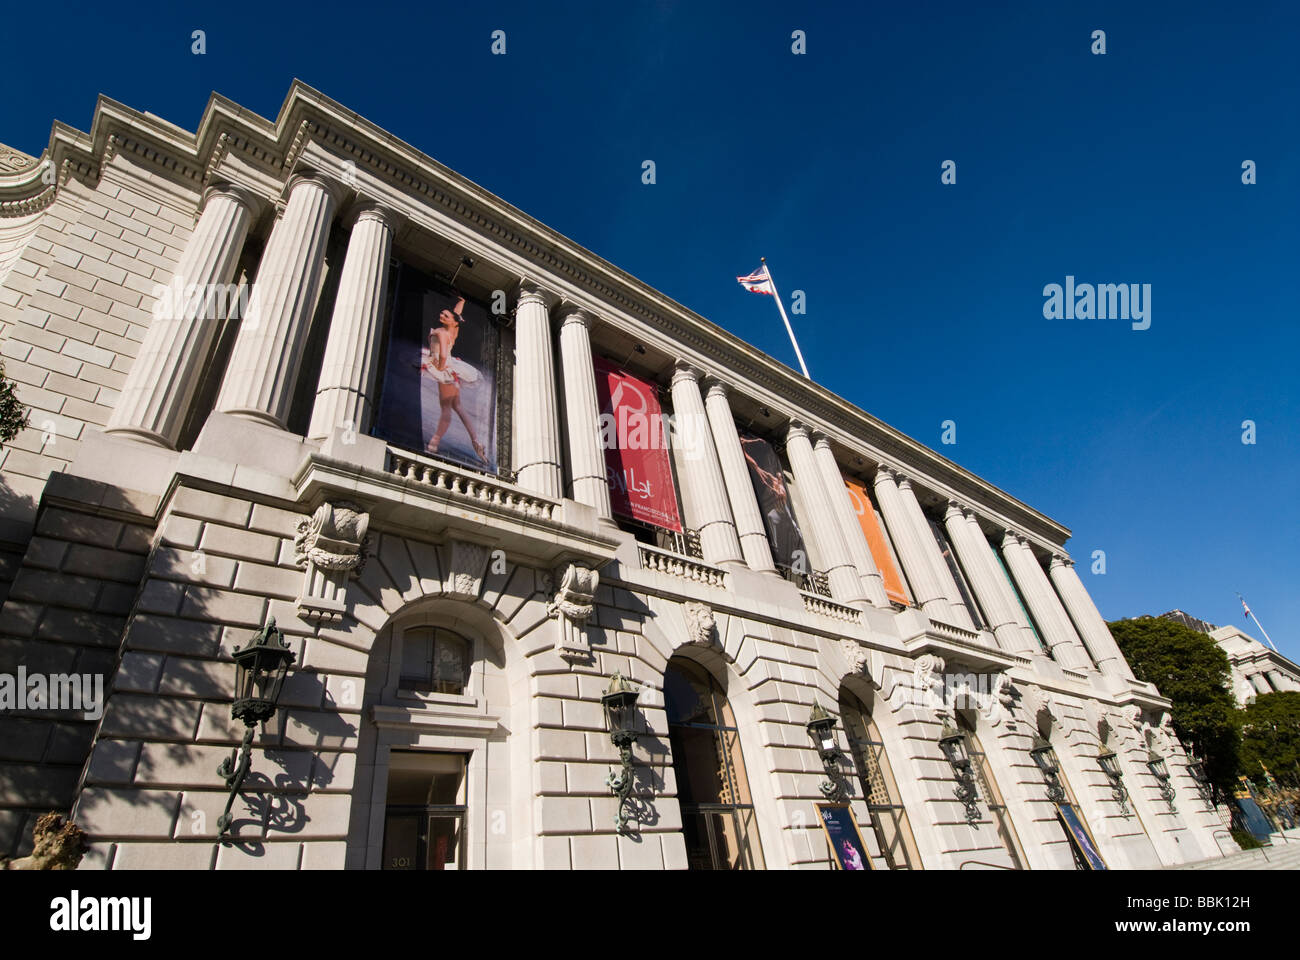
column 877, row 542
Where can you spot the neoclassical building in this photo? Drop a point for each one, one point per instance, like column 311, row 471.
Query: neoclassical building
column 486, row 484
column 1256, row 669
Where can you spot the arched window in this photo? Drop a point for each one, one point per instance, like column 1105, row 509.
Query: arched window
column 888, row 815
column 717, row 810
column 988, row 789
column 434, row 660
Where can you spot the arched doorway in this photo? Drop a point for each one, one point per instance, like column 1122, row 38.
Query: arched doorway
column 717, row 808
column 988, row 791
column 879, row 788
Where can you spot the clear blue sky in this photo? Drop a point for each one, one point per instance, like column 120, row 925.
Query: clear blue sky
column 924, row 300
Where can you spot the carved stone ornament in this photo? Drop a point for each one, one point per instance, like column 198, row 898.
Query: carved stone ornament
column 331, row 547
column 1002, row 702
column 13, row 161
column 466, row 563
column 1166, row 741
column 333, row 538
column 699, row 623
column 1040, row 708
column 927, row 685
column 573, row 604
column 857, row 656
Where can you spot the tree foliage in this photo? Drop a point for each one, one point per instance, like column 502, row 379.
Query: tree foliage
column 13, row 415
column 1193, row 672
column 1270, row 732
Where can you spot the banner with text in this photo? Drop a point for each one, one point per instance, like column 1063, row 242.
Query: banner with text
column 633, row 434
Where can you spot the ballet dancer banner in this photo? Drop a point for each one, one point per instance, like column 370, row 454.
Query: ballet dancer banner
column 635, row 436
column 439, row 394
column 774, row 503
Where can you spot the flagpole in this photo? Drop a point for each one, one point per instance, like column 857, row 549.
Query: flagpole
column 1251, row 613
column 789, row 329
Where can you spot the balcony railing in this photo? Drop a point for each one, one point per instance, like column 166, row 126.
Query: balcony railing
column 477, row 487
column 815, row 603
column 679, row 565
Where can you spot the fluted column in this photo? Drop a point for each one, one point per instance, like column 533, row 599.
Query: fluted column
column 934, row 556
column 264, row 364
column 156, row 396
column 703, row 472
column 1058, row 632
column 988, row 583
column 349, row 371
column 921, row 577
column 1028, row 644
column 536, row 440
column 582, row 413
column 1092, row 628
column 846, row 519
column 735, row 476
column 841, row 572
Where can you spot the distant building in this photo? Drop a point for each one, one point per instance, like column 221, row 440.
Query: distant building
column 1256, row 668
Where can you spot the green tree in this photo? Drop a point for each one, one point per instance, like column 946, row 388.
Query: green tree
column 1270, row 732
column 1192, row 671
column 13, row 415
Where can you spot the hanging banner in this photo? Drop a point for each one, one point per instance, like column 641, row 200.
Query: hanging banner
column 843, row 836
column 636, row 448
column 439, row 393
column 1079, row 836
column 774, row 503
column 877, row 543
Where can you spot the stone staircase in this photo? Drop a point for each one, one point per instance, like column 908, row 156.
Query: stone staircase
column 1284, row 854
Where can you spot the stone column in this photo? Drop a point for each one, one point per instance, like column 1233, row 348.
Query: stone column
column 1260, row 683
column 536, row 424
column 990, row 589
column 1058, row 633
column 156, row 396
column 263, row 366
column 735, row 475
column 846, row 584
column 582, row 412
column 934, row 556
column 911, row 551
column 703, row 473
column 349, row 371
column 846, row 519
column 1092, row 628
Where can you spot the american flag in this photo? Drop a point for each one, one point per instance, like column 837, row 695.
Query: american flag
column 758, row 282
column 1243, row 605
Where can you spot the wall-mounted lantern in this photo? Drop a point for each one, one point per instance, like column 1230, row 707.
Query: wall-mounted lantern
column 953, row 743
column 619, row 701
column 260, row 668
column 1047, row 762
column 821, row 728
column 1110, row 766
column 1160, row 770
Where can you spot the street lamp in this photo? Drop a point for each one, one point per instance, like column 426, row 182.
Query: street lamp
column 619, row 701
column 953, row 744
column 1160, row 770
column 821, row 728
column 260, row 668
column 1045, row 757
column 1110, row 766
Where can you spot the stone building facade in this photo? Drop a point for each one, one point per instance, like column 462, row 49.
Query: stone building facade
column 198, row 466
column 1256, row 669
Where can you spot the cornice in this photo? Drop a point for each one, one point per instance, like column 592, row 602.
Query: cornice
column 272, row 148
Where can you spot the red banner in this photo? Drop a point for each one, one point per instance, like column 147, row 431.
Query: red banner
column 636, row 448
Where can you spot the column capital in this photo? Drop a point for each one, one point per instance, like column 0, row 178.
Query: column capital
column 240, row 194
column 797, row 428
column 820, row 439
column 1011, row 538
column 955, row 506
column 368, row 208
column 573, row 314
column 685, row 371
column 1060, row 560
column 885, row 472
column 324, row 181
column 715, row 387
column 530, row 291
